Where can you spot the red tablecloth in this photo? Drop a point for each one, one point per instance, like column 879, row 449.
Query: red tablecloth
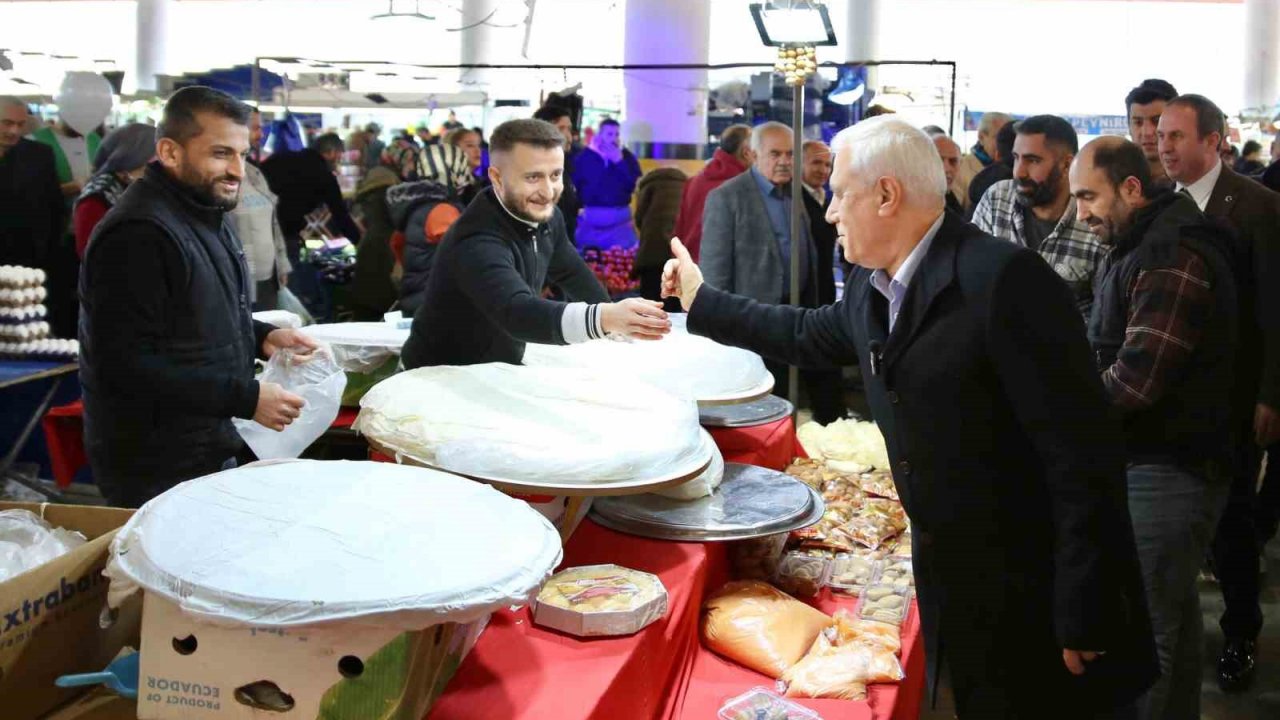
column 64, row 435
column 771, row 445
column 519, row 670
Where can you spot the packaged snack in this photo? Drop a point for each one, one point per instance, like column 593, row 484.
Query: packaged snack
column 870, row 530
column 760, row 627
column 897, row 572
column 821, row 533
column 885, row 603
column 879, row 483
column 802, row 574
column 596, row 600
column 763, row 704
column 843, row 660
column 757, row 558
column 843, row 489
column 868, row 632
column 850, row 573
column 808, row 471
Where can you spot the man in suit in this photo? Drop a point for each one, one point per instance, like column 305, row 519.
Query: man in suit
column 746, row 232
column 825, row 387
column 32, row 213
column 1190, row 132
column 997, row 426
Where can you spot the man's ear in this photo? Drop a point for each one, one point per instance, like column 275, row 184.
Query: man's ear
column 169, row 153
column 889, row 195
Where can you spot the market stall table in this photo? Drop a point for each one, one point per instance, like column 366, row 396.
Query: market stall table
column 18, row 372
column 519, row 670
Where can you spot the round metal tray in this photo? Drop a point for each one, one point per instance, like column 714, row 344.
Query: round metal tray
column 765, row 409
column 750, row 502
column 550, row 487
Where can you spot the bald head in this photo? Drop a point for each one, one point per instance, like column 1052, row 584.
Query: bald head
column 1110, row 180
column 949, row 151
column 817, row 163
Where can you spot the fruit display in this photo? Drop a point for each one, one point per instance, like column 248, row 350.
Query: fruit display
column 614, row 268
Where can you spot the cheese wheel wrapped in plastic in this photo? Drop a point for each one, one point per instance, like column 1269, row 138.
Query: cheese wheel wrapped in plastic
column 758, row 626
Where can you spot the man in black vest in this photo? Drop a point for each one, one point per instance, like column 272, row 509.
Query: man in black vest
column 484, row 294
column 979, row 376
column 167, row 342
column 1164, row 332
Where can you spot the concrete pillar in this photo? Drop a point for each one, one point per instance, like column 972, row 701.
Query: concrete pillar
column 490, row 45
column 861, row 36
column 1261, row 56
column 151, row 46
column 665, row 112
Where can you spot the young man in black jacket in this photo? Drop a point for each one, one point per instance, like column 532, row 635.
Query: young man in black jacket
column 979, row 376
column 1164, row 333
column 484, row 295
column 167, row 342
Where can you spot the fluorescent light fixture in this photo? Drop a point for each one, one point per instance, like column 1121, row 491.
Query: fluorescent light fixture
column 793, row 22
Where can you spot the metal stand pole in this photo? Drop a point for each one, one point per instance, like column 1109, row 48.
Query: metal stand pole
column 797, row 213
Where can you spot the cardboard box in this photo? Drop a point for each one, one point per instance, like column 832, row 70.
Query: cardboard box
column 50, row 617
column 339, row 670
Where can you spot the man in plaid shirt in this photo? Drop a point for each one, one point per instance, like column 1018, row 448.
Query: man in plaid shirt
column 1164, row 332
column 1035, row 209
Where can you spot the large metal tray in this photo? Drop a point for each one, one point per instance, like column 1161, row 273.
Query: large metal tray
column 750, row 502
column 764, row 409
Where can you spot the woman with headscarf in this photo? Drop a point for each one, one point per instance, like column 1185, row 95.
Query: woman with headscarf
column 121, row 159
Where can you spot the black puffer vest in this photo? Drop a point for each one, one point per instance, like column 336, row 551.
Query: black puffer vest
column 1190, row 424
column 147, row 427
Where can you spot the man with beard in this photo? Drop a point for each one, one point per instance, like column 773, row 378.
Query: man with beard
column 1035, row 209
column 1143, row 106
column 167, row 343
column 483, row 300
column 1164, row 335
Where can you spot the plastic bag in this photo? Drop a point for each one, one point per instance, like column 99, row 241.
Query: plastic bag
column 706, row 483
column 756, row 625
column 844, row 659
column 320, row 382
column 286, row 300
column 27, row 542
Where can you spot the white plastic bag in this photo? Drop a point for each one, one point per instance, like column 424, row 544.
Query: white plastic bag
column 27, row 542
column 320, row 382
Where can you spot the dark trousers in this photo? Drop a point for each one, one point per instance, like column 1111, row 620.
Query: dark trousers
column 825, row 389
column 1236, row 547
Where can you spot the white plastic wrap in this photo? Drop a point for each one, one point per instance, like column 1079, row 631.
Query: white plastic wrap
column 320, row 382
column 279, row 318
column 361, row 346
column 704, row 484
column 27, row 542
column 304, row 542
column 530, row 424
column 682, row 364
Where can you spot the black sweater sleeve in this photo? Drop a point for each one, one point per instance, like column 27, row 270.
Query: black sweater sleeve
column 133, row 268
column 808, row 338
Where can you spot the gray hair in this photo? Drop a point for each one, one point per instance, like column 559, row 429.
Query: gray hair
column 989, row 120
column 126, row 148
column 11, row 101
column 888, row 146
column 757, row 135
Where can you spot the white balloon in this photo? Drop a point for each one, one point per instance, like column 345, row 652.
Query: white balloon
column 84, row 100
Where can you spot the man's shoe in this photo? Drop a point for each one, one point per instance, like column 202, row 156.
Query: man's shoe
column 1235, row 666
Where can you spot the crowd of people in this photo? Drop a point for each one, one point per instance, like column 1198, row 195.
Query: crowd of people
column 1073, row 351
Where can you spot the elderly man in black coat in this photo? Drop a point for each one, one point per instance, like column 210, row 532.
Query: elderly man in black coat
column 1008, row 463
